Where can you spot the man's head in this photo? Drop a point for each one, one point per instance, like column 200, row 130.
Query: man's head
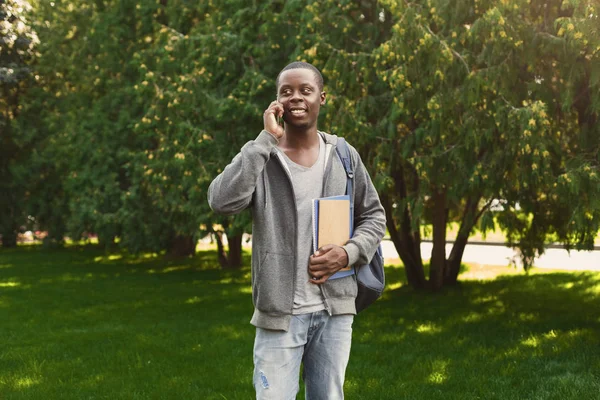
column 300, row 91
column 305, row 65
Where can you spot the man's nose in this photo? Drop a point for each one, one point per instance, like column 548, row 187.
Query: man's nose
column 296, row 96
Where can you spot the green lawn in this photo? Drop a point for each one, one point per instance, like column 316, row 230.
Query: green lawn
column 77, row 324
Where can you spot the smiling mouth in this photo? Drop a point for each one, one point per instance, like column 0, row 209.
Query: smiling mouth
column 297, row 111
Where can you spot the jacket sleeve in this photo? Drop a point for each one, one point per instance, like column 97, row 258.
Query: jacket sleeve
column 369, row 216
column 232, row 190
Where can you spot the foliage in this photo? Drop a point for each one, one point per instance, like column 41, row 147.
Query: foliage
column 18, row 43
column 454, row 107
column 457, row 106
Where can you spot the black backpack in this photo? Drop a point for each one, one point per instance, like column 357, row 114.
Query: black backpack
column 370, row 277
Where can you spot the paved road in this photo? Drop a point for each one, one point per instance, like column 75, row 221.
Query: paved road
column 496, row 254
column 500, row 255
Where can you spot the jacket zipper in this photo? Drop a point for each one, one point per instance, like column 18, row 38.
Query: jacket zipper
column 287, row 173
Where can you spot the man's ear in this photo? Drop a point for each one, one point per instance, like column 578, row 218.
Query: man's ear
column 323, row 98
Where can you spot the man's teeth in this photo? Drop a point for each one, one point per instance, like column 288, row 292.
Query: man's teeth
column 297, row 111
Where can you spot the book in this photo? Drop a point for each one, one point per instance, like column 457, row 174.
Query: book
column 332, row 225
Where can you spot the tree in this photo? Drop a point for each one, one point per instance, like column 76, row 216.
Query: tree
column 453, row 107
column 18, row 50
column 155, row 99
column 456, row 104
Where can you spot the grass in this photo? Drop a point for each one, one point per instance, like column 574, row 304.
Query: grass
column 79, row 324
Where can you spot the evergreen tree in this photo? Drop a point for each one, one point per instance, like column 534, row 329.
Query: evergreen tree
column 18, row 43
column 458, row 105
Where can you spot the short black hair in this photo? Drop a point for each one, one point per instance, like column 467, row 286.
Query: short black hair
column 305, row 65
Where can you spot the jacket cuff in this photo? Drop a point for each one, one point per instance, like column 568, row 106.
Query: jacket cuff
column 353, row 253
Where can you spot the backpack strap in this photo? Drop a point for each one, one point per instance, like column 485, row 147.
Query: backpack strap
column 344, row 153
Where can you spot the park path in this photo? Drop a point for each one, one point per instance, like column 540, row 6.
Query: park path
column 495, row 254
column 498, row 255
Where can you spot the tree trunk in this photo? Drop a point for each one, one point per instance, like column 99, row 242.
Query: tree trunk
column 107, row 242
column 233, row 258
column 469, row 219
column 221, row 254
column 182, row 246
column 453, row 263
column 438, row 253
column 404, row 232
column 9, row 239
column 10, row 228
column 407, row 245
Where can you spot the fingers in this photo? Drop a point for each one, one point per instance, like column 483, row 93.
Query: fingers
column 318, row 281
column 323, row 250
column 275, row 108
column 323, row 255
column 319, row 273
column 270, row 116
column 325, row 262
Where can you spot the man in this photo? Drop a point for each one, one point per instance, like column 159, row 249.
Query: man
column 300, row 315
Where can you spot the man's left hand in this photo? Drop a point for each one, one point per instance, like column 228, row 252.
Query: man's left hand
column 326, row 261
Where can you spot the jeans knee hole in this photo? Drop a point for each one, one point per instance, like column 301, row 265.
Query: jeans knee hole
column 264, row 381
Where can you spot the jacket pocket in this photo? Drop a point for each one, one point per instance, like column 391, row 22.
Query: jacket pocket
column 273, row 286
column 341, row 288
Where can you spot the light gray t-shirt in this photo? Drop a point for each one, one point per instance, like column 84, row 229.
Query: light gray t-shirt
column 307, row 183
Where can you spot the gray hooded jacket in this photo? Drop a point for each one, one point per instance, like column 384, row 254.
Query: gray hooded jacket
column 257, row 178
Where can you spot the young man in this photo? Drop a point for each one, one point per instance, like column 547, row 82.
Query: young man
column 300, row 315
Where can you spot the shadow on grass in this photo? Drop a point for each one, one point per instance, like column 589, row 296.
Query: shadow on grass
column 82, row 323
column 96, row 318
column 521, row 333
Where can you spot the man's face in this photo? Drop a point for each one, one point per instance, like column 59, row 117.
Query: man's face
column 300, row 96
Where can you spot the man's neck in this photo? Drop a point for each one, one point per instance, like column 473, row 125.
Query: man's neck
column 299, row 140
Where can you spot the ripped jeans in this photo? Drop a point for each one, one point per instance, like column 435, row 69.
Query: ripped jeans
column 320, row 341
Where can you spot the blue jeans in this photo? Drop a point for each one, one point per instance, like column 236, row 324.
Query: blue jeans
column 320, row 341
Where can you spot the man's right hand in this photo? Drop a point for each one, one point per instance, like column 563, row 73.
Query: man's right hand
column 270, row 117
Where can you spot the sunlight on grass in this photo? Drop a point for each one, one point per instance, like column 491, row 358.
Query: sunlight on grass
column 560, row 340
column 4, row 266
column 112, row 257
column 527, row 317
column 428, row 328
column 23, row 383
column 439, row 374
column 394, row 337
column 197, row 347
column 246, row 290
column 171, row 269
column 472, row 317
column 168, row 269
column 394, row 286
column 568, row 285
column 230, row 332
column 193, row 300
column 350, row 385
column 10, row 284
column 373, row 383
column 531, row 342
column 550, row 335
column 485, row 299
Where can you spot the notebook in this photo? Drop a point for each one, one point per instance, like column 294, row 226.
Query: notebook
column 331, row 225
